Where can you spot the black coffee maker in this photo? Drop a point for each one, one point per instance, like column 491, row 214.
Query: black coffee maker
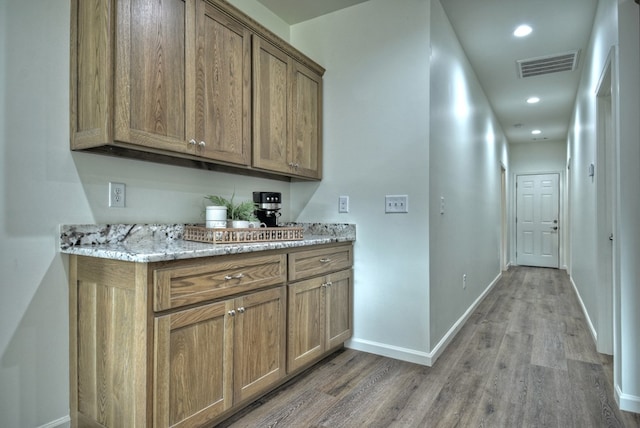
column 268, row 206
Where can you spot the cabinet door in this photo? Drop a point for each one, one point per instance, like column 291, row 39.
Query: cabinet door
column 91, row 73
column 193, row 366
column 306, row 322
column 260, row 341
column 339, row 301
column 271, row 84
column 306, row 122
column 223, row 87
column 153, row 86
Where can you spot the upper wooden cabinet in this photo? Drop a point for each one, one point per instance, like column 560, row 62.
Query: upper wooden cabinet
column 223, row 86
column 176, row 77
column 153, row 73
column 288, row 112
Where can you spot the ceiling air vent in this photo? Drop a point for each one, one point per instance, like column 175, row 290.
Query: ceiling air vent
column 531, row 67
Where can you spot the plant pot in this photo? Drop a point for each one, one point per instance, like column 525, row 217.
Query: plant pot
column 238, row 223
column 216, row 213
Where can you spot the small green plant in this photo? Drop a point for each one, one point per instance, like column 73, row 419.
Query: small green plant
column 240, row 211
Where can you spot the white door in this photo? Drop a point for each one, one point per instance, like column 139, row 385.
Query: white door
column 537, row 214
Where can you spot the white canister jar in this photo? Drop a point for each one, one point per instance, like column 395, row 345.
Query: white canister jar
column 216, row 213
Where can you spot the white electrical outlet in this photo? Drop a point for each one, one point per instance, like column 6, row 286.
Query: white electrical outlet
column 117, row 195
column 396, row 204
column 343, row 204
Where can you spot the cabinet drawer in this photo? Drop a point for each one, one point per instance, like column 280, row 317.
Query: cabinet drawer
column 212, row 279
column 305, row 264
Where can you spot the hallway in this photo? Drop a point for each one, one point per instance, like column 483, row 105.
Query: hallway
column 525, row 358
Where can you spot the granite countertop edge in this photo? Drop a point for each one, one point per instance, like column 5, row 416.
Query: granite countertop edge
column 156, row 242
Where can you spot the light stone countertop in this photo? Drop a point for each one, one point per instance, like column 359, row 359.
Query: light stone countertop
column 145, row 243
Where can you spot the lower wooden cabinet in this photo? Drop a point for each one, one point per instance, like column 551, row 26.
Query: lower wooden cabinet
column 209, row 352
column 193, row 380
column 320, row 317
column 210, row 357
column 259, row 342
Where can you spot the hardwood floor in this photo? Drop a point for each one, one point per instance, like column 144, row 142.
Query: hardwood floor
column 524, row 359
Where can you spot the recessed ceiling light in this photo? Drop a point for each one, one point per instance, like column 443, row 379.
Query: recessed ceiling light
column 533, row 100
column 536, row 132
column 522, row 31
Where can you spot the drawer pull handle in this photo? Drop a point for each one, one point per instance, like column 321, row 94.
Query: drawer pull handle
column 230, row 277
column 241, row 310
column 325, row 260
column 232, row 313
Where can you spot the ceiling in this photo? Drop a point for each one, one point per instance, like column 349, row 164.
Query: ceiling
column 485, row 30
column 295, row 11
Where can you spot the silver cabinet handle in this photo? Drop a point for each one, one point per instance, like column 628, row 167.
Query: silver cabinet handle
column 230, row 277
column 202, row 143
column 241, row 310
column 325, row 260
column 192, row 142
column 232, row 313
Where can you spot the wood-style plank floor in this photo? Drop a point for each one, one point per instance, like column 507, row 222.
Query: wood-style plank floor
column 524, row 359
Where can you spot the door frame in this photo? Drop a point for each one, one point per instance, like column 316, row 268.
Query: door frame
column 504, row 222
column 606, row 205
column 562, row 218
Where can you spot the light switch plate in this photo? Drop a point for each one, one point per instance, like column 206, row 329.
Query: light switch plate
column 343, row 204
column 396, row 204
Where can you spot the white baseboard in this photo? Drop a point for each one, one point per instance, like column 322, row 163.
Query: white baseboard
column 448, row 337
column 594, row 333
column 627, row 402
column 58, row 423
column 412, row 355
column 386, row 350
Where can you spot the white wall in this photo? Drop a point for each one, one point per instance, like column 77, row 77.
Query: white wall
column 376, row 128
column 42, row 185
column 467, row 149
column 616, row 25
column 628, row 347
column 538, row 157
